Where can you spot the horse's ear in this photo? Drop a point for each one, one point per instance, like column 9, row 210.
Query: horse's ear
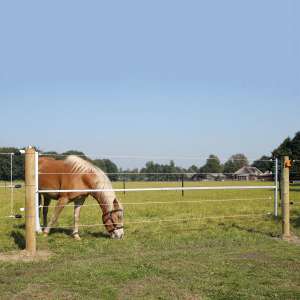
column 116, row 204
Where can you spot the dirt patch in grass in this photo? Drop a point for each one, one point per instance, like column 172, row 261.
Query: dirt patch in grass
column 258, row 256
column 41, row 292
column 293, row 239
column 155, row 288
column 24, row 256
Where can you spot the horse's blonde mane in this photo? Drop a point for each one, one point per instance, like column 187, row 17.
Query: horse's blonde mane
column 80, row 165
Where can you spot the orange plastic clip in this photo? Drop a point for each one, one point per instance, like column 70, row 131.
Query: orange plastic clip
column 288, row 163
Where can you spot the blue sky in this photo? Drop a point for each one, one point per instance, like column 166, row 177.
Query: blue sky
column 150, row 78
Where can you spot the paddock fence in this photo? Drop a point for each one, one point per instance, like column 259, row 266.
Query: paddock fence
column 32, row 218
column 9, row 185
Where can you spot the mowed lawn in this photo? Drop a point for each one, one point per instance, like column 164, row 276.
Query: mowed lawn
column 227, row 248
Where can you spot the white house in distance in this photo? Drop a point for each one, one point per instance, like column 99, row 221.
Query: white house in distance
column 247, row 173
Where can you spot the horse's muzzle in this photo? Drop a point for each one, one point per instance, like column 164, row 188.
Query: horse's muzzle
column 117, row 234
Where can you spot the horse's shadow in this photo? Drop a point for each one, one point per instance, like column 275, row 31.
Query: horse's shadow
column 65, row 231
column 19, row 239
column 99, row 234
column 69, row 232
column 296, row 222
column 20, row 226
column 253, row 230
column 53, row 230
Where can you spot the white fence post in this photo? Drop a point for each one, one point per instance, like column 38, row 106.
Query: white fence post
column 11, row 187
column 286, row 164
column 276, row 189
column 37, row 206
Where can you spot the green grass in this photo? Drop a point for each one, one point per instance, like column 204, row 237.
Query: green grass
column 217, row 258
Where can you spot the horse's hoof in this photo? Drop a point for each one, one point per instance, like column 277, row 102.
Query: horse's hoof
column 77, row 237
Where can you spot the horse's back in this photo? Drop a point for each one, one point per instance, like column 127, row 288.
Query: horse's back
column 59, row 174
column 50, row 174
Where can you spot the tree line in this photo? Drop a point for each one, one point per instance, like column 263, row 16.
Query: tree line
column 19, row 163
column 153, row 170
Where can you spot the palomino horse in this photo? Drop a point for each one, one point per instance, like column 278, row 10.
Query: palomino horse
column 77, row 173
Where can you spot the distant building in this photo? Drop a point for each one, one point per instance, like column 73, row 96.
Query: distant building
column 267, row 176
column 209, row 177
column 247, row 173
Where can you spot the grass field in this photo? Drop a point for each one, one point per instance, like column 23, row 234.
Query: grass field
column 210, row 257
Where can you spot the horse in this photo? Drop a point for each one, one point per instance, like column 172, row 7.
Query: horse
column 76, row 173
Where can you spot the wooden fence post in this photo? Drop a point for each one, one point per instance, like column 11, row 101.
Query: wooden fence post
column 30, row 201
column 286, row 164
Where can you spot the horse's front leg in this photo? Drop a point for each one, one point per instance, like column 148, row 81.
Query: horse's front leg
column 58, row 208
column 77, row 207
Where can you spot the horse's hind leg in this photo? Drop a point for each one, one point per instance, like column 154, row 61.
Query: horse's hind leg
column 77, row 207
column 58, row 208
column 45, row 210
column 40, row 204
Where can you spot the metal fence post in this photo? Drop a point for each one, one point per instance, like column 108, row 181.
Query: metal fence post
column 182, row 185
column 124, row 185
column 11, row 187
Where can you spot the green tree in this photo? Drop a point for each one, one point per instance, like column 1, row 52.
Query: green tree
column 151, row 167
column 235, row 162
column 264, row 164
column 291, row 147
column 107, row 166
column 5, row 164
column 74, row 152
column 53, row 154
column 212, row 165
column 285, row 148
column 132, row 175
column 193, row 169
column 295, row 146
column 158, row 171
column 63, row 155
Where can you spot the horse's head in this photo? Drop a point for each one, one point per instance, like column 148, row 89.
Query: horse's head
column 113, row 221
